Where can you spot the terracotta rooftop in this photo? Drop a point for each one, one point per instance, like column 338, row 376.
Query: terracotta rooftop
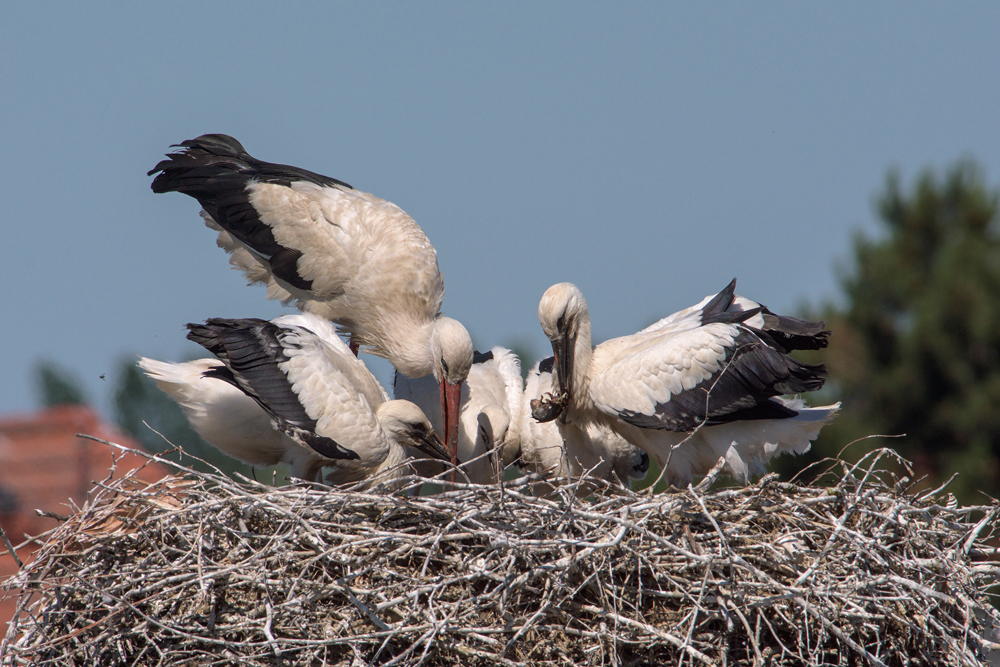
column 43, row 465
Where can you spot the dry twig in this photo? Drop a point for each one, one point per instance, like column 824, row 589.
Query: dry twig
column 203, row 570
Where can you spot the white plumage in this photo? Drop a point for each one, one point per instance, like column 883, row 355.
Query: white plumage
column 490, row 403
column 228, row 419
column 316, row 404
column 495, row 409
column 701, row 384
column 564, row 453
column 333, row 251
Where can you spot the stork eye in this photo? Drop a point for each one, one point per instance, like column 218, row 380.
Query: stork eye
column 561, row 321
column 444, row 366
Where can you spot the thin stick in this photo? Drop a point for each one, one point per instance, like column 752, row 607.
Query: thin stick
column 10, row 548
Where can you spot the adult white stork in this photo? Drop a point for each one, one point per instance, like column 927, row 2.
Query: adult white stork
column 490, row 406
column 326, row 408
column 564, row 453
column 701, row 384
column 331, row 250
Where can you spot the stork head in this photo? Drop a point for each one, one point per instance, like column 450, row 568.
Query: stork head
column 562, row 313
column 451, row 346
column 559, row 310
column 452, row 349
column 407, row 425
column 494, row 423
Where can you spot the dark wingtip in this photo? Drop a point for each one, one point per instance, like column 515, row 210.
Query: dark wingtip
column 198, row 333
column 221, row 372
column 215, row 145
column 481, row 357
column 546, row 365
column 795, row 334
column 208, row 335
column 728, row 317
column 217, row 141
column 720, row 302
column 214, row 163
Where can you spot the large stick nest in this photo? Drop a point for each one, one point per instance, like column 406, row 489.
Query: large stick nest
column 199, row 569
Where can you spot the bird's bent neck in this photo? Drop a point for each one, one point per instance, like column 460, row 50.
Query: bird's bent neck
column 411, row 353
column 393, row 460
column 583, row 354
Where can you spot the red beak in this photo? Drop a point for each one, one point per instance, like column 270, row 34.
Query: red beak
column 451, row 399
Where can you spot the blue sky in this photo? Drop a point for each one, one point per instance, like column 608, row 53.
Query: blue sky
column 648, row 152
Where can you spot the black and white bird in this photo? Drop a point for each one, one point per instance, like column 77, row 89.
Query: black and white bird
column 489, row 414
column 331, row 250
column 290, row 391
column 703, row 384
column 567, row 453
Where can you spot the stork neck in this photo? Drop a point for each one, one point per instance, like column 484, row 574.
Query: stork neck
column 583, row 354
column 410, row 353
column 393, row 459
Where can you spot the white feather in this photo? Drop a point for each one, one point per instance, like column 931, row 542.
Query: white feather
column 334, row 388
column 228, row 419
column 564, row 453
column 634, row 373
column 496, row 382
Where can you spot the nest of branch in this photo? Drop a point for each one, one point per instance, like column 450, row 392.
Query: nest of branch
column 199, row 569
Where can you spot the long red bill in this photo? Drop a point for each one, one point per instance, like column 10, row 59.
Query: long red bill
column 451, row 398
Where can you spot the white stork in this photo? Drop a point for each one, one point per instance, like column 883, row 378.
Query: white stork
column 331, row 250
column 563, row 453
column 290, row 391
column 488, row 418
column 701, row 384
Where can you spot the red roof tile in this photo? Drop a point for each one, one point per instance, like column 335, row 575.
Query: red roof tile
column 43, row 465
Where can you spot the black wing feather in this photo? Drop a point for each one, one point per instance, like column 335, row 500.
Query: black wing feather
column 791, row 333
column 755, row 371
column 720, row 302
column 546, row 365
column 215, row 169
column 482, row 357
column 251, row 350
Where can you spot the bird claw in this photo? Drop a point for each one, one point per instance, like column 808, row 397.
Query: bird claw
column 548, row 407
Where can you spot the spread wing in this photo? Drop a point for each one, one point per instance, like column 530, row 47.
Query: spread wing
column 703, row 312
column 334, row 250
column 719, row 372
column 790, row 333
column 294, row 376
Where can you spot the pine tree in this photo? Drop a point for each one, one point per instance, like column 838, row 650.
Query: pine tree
column 57, row 386
column 916, row 345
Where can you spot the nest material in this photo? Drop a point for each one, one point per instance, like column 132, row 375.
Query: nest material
column 201, row 570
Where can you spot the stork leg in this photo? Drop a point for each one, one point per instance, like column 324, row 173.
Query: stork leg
column 354, row 345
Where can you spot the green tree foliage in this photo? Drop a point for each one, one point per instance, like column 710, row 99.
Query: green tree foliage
column 916, row 345
column 57, row 386
column 154, row 420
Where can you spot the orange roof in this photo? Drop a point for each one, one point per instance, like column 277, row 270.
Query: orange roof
column 43, row 465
